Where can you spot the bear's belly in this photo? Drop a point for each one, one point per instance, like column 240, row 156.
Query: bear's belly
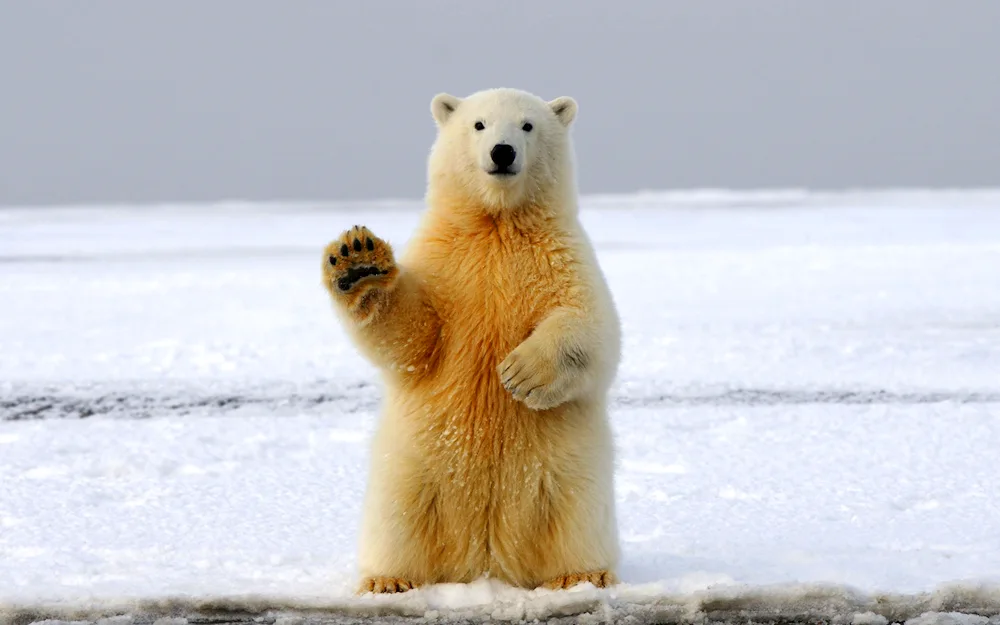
column 487, row 461
column 470, row 415
column 492, row 486
column 471, row 421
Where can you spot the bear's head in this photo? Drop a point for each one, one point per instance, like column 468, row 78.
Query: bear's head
column 502, row 149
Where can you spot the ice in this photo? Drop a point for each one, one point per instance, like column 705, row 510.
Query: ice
column 807, row 412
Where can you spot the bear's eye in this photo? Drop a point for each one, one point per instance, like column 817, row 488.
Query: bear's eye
column 480, row 126
column 527, row 127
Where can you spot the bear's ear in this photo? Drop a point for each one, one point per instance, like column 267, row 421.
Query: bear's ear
column 442, row 106
column 565, row 109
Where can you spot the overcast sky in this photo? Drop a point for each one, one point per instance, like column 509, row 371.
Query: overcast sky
column 176, row 100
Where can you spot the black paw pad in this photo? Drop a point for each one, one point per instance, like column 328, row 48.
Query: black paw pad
column 333, row 259
column 369, row 245
column 343, row 250
column 357, row 245
column 357, row 273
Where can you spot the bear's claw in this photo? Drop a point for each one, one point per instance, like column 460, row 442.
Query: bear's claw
column 385, row 585
column 600, row 579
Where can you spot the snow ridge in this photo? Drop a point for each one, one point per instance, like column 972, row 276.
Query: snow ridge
column 952, row 604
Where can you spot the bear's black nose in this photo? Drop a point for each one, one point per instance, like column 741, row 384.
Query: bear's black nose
column 503, row 155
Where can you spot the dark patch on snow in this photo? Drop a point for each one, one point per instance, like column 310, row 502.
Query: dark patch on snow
column 782, row 397
column 37, row 404
column 149, row 400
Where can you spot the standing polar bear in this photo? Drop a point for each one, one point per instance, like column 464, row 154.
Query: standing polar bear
column 498, row 340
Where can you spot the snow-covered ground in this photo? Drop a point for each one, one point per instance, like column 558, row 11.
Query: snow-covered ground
column 809, row 397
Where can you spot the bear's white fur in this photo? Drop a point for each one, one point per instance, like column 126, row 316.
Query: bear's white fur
column 498, row 341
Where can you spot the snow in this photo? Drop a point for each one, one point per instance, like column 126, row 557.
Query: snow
column 806, row 412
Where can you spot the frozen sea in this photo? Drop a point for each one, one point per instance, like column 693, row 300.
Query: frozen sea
column 807, row 410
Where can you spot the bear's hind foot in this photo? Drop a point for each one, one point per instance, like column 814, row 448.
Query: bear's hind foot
column 385, row 585
column 600, row 579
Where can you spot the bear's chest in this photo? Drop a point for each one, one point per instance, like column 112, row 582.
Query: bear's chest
column 498, row 294
column 490, row 299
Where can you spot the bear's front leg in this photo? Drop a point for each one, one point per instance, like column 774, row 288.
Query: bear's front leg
column 555, row 363
column 384, row 306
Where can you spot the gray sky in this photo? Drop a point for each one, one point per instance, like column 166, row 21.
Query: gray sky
column 329, row 99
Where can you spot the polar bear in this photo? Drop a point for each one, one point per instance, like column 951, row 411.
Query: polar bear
column 497, row 339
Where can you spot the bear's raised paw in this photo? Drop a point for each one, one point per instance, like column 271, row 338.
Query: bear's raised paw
column 357, row 257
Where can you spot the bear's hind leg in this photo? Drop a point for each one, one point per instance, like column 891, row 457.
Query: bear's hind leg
column 577, row 533
column 580, row 546
column 400, row 531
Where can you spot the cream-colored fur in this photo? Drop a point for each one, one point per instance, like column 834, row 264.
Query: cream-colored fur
column 498, row 340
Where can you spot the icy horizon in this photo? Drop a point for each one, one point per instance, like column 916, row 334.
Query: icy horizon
column 719, row 197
